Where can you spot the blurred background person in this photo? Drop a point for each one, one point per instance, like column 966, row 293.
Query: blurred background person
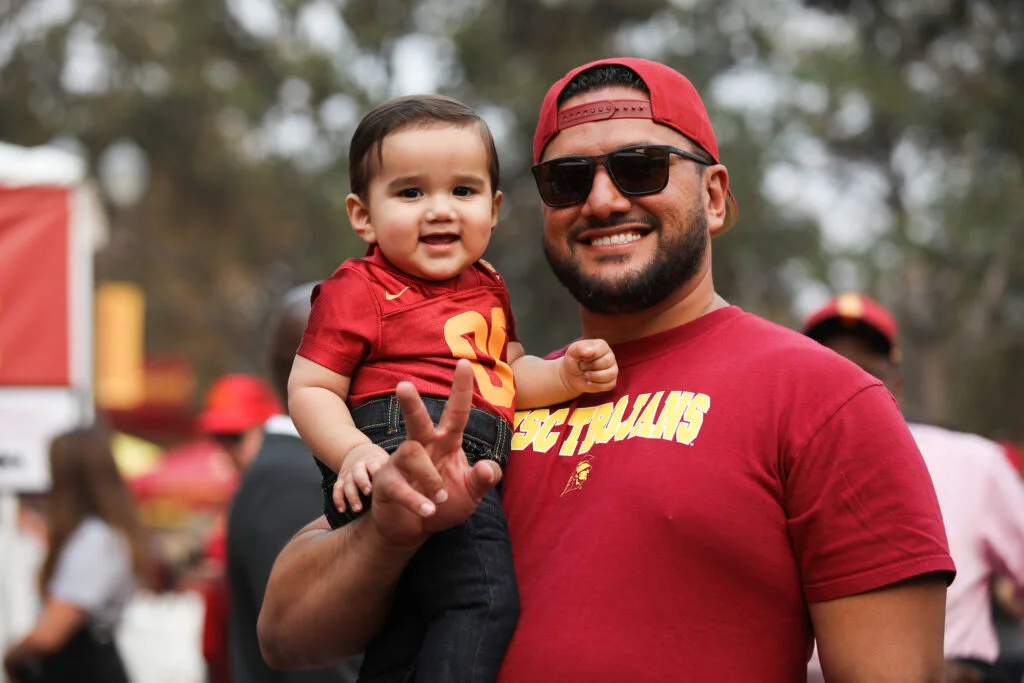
column 235, row 409
column 979, row 491
column 94, row 562
column 279, row 493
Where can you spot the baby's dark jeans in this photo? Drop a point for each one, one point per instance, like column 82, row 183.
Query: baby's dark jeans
column 457, row 603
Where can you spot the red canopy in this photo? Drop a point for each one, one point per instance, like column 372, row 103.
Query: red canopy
column 197, row 474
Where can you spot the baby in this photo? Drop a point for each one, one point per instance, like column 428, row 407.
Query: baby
column 424, row 181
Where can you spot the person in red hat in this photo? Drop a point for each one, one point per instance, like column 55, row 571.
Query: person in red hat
column 278, row 493
column 236, row 407
column 741, row 491
column 979, row 490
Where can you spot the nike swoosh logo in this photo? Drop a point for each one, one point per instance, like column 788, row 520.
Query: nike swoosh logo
column 391, row 297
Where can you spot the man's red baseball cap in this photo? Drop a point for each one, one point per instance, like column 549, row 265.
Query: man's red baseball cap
column 674, row 102
column 236, row 403
column 851, row 309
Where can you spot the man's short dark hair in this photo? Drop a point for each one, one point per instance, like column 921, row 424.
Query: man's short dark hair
column 602, row 76
column 366, row 155
column 611, row 76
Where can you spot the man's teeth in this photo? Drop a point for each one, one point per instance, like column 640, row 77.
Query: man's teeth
column 618, row 238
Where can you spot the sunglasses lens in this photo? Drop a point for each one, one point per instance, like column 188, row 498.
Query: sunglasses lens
column 639, row 171
column 564, row 182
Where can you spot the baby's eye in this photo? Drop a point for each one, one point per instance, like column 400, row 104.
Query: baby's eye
column 410, row 193
column 463, row 191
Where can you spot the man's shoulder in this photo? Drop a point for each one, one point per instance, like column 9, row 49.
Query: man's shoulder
column 788, row 353
column 280, row 452
column 283, row 460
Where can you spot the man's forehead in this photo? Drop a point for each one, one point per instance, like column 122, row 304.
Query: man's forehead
column 598, row 137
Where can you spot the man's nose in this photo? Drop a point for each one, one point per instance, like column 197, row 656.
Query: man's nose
column 605, row 199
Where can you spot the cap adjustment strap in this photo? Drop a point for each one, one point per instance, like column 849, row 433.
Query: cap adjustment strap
column 604, row 109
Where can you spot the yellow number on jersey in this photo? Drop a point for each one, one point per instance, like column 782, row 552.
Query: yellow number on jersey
column 493, row 341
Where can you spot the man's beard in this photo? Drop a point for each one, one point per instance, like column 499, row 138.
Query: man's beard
column 676, row 260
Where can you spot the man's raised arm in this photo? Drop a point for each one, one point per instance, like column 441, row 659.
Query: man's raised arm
column 329, row 591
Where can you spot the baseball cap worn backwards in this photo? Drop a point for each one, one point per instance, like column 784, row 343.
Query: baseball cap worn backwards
column 850, row 309
column 674, row 102
column 236, row 403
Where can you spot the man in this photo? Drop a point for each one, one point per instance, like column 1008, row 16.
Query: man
column 979, row 492
column 279, row 492
column 235, row 409
column 699, row 520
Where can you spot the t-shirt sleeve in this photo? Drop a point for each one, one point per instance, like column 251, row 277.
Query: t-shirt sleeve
column 344, row 323
column 510, row 318
column 861, row 505
column 91, row 568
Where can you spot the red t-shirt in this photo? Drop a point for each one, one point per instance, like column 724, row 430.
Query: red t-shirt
column 676, row 528
column 379, row 326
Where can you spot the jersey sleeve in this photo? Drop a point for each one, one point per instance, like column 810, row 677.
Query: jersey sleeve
column 510, row 318
column 861, row 505
column 344, row 323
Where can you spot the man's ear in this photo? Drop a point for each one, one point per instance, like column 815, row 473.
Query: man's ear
column 495, row 209
column 716, row 182
column 359, row 217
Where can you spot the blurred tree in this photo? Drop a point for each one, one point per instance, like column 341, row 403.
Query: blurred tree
column 239, row 129
column 925, row 97
column 870, row 144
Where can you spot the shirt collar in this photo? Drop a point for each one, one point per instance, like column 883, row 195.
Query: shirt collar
column 281, row 425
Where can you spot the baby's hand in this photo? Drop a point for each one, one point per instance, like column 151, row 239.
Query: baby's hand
column 589, row 367
column 361, row 463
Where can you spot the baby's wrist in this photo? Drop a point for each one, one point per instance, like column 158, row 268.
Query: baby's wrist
column 565, row 376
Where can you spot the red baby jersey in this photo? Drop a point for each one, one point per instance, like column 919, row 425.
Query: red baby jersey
column 380, row 326
column 676, row 528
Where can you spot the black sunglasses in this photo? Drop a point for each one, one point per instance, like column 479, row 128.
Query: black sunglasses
column 636, row 171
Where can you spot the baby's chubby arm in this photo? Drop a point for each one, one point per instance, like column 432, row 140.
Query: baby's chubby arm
column 588, row 367
column 316, row 403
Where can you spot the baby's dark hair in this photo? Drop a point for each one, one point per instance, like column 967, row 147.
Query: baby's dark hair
column 365, row 153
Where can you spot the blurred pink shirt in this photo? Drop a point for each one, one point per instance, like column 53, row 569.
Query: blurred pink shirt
column 982, row 502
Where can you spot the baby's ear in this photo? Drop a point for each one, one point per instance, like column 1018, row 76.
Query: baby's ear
column 359, row 217
column 495, row 209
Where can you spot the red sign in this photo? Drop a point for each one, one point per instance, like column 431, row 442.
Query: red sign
column 34, row 334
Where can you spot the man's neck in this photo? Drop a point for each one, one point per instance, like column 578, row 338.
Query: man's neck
column 690, row 302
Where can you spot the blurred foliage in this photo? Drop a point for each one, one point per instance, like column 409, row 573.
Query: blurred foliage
column 941, row 79
column 242, row 110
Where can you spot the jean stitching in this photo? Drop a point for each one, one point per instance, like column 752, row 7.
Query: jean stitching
column 490, row 603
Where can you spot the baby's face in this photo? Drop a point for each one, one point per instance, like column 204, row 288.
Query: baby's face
column 430, row 206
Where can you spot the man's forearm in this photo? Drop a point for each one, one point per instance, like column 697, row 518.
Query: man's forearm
column 328, row 595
